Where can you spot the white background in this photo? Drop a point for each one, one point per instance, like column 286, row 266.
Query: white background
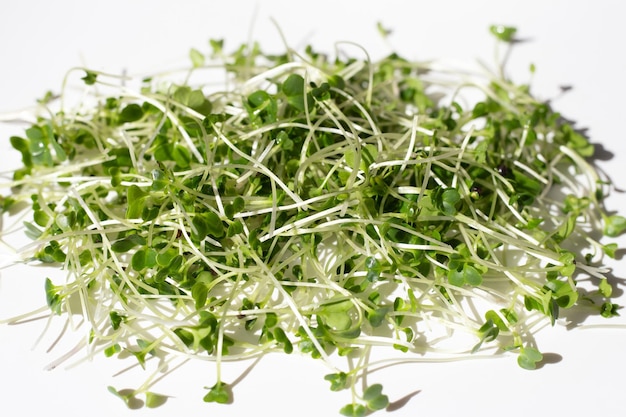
column 572, row 43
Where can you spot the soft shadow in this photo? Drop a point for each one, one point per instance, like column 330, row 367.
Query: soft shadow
column 401, row 402
column 132, row 402
column 231, row 395
column 619, row 254
column 617, row 282
column 510, row 47
column 516, row 40
column 27, row 319
column 549, row 359
column 577, row 317
column 245, row 373
column 601, row 153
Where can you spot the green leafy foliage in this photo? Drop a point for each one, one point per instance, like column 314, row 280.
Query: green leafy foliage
column 316, row 205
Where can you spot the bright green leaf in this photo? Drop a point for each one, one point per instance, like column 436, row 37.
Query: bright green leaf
column 529, row 357
column 131, row 113
column 503, row 33
column 374, row 398
column 154, row 400
column 353, row 410
column 337, row 380
column 614, row 225
column 197, row 58
column 218, row 393
column 90, row 77
column 605, row 288
column 472, row 276
column 53, row 296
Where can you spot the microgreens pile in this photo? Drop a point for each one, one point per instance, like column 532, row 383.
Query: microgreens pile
column 312, row 204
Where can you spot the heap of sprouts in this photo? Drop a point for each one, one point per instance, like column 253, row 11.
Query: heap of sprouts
column 311, row 204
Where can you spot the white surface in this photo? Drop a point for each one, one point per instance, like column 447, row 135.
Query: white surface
column 573, row 43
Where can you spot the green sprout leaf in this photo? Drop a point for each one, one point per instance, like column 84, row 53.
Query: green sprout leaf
column 53, row 296
column 116, row 319
column 446, row 200
column 154, row 400
column 142, row 259
column 374, row 397
column 90, row 77
column 610, row 249
column 373, row 269
column 383, row 31
column 503, row 33
column 145, row 349
column 337, row 380
column 489, row 331
column 609, row 309
column 128, row 243
column 281, row 337
column 217, row 45
column 353, row 410
column 466, row 275
column 197, row 58
column 529, row 357
column 112, row 350
column 131, row 113
column 614, row 225
column 200, row 291
column 378, row 316
column 337, row 314
column 23, row 146
column 293, row 88
column 136, row 201
column 128, row 396
column 605, row 288
column 218, row 393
